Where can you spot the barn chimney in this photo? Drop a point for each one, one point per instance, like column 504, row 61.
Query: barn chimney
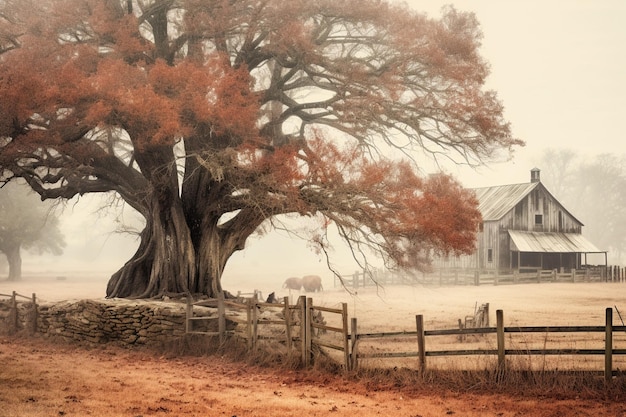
column 535, row 175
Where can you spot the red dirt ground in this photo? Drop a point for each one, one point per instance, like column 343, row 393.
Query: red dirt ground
column 40, row 378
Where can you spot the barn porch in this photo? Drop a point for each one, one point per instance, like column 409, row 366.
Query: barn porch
column 550, row 250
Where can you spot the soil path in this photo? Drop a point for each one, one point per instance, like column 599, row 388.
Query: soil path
column 38, row 378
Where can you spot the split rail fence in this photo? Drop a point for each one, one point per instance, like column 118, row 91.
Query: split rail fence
column 301, row 327
column 305, row 327
column 501, row 351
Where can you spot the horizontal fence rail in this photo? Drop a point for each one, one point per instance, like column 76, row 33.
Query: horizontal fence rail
column 501, row 351
column 304, row 327
column 472, row 276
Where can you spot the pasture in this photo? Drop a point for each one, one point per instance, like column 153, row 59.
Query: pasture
column 393, row 308
column 43, row 379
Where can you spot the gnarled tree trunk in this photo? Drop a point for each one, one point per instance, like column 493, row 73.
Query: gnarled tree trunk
column 164, row 263
column 168, row 263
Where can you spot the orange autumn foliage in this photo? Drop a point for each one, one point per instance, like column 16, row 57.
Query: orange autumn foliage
column 211, row 118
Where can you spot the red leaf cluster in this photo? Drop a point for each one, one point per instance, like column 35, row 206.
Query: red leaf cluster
column 195, row 111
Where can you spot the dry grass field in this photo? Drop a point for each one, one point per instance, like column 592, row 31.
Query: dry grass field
column 39, row 378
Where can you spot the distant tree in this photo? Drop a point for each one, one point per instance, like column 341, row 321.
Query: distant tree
column 26, row 223
column 592, row 188
column 558, row 170
column 212, row 118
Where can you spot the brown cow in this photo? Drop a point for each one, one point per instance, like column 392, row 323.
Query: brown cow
column 293, row 283
column 312, row 283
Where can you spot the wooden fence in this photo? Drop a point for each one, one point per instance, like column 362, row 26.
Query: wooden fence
column 301, row 326
column 12, row 313
column 304, row 327
column 461, row 276
column 501, row 352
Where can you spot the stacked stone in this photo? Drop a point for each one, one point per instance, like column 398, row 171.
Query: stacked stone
column 7, row 317
column 118, row 321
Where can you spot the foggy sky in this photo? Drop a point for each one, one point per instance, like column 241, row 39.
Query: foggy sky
column 560, row 69
column 558, row 66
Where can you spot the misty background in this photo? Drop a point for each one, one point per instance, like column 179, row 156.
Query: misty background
column 560, row 70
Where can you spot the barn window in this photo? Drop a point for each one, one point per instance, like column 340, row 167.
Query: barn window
column 489, row 255
column 538, row 218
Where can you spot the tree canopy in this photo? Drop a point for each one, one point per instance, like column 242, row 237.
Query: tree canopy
column 212, row 117
column 26, row 223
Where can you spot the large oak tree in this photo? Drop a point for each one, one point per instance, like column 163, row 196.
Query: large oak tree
column 213, row 117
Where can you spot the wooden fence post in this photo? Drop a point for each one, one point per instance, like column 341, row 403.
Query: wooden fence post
column 500, row 338
column 346, row 346
column 486, row 314
column 307, row 330
column 35, row 314
column 16, row 319
column 255, row 321
column 249, row 308
column 303, row 329
column 221, row 316
column 188, row 314
column 287, row 314
column 421, row 343
column 354, row 339
column 608, row 350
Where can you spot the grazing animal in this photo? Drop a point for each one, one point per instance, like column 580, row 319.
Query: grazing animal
column 312, row 283
column 271, row 299
column 293, row 283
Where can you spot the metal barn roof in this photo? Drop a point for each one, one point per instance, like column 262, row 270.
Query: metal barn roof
column 551, row 242
column 495, row 202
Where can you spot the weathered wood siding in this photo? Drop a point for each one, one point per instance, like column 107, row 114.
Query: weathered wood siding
column 554, row 217
column 538, row 211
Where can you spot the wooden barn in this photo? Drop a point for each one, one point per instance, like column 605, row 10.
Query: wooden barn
column 525, row 229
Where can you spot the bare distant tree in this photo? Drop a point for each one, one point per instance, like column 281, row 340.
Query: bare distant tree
column 558, row 168
column 592, row 188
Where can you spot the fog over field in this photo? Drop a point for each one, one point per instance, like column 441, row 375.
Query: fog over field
column 563, row 86
column 394, row 307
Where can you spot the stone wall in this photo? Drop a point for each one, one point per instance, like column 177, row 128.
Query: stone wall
column 112, row 321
